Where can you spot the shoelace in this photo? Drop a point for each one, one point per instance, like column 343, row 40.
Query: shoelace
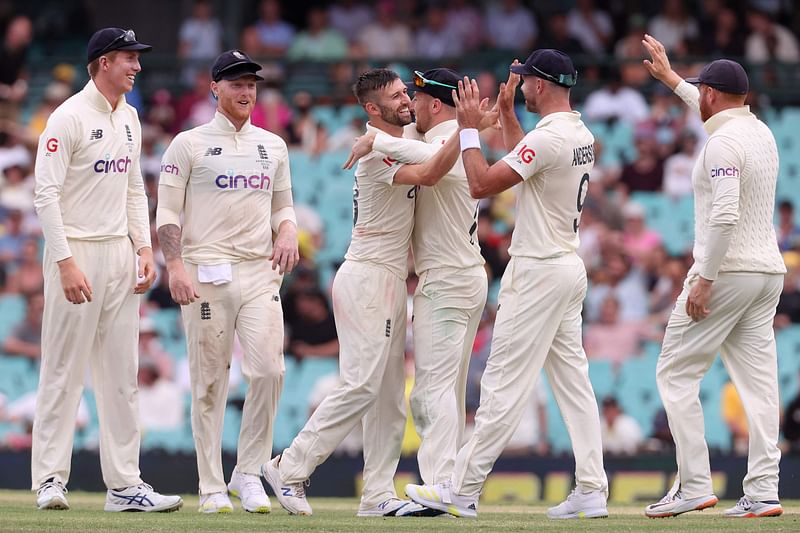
column 253, row 483
column 745, row 503
column 50, row 484
column 671, row 496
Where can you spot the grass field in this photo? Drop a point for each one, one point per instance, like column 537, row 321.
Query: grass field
column 18, row 513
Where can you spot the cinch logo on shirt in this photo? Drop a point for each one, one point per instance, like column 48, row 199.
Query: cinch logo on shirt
column 104, row 166
column 241, row 181
column 724, row 171
column 170, row 169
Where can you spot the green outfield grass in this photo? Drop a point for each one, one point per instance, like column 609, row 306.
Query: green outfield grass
column 17, row 513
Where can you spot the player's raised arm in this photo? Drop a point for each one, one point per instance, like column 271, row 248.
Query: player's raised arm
column 509, row 124
column 483, row 180
column 659, row 67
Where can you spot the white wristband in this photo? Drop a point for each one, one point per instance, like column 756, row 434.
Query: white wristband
column 469, row 139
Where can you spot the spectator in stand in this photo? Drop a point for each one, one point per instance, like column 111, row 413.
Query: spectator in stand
column 161, row 112
column 625, row 283
column 637, row 238
column 788, row 310
column 511, row 26
column 591, row 26
column 436, row 40
column 21, row 412
column 200, row 40
column 160, row 399
column 25, row 339
column 492, row 245
column 196, row 107
column 305, row 131
column 54, row 95
column 277, row 115
column 667, row 289
column 312, row 332
column 791, row 424
column 788, row 231
column 769, row 41
column 621, row 433
column 318, row 42
column 159, row 296
column 16, row 190
column 629, row 50
column 13, row 56
column 674, row 26
column 466, row 20
column 678, row 167
column 557, row 35
column 349, row 17
column 735, row 418
column 723, row 34
column 26, row 276
column 614, row 101
column 387, row 37
column 530, row 437
column 12, row 150
column 152, row 350
column 12, row 238
column 615, row 340
column 271, row 36
column 646, row 172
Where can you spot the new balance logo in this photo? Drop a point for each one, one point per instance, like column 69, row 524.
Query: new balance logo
column 287, row 491
column 96, row 134
column 262, row 152
column 389, row 327
column 215, row 150
column 205, row 311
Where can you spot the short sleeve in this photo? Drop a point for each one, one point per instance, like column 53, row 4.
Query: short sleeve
column 176, row 164
column 532, row 154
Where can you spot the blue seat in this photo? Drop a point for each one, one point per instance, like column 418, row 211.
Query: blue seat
column 603, row 378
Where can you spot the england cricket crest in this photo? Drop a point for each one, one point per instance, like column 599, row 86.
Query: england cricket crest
column 205, row 311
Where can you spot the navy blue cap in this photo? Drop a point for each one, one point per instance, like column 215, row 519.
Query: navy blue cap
column 723, row 75
column 437, row 82
column 110, row 39
column 234, row 64
column 549, row 64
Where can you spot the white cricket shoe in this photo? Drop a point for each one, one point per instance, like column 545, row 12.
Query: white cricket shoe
column 414, row 509
column 52, row 495
column 215, row 503
column 580, row 505
column 141, row 498
column 291, row 496
column 747, row 508
column 388, row 507
column 250, row 491
column 674, row 504
column 440, row 497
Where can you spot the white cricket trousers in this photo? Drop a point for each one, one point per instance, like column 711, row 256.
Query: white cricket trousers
column 369, row 304
column 250, row 306
column 103, row 333
column 739, row 327
column 538, row 324
column 447, row 311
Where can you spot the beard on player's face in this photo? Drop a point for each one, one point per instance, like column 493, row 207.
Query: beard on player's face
column 398, row 116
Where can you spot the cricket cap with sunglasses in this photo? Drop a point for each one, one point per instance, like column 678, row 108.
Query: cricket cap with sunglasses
column 551, row 65
column 437, row 82
column 110, row 39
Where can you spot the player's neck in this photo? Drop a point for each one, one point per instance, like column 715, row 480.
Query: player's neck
column 105, row 88
column 554, row 107
column 237, row 123
column 391, row 129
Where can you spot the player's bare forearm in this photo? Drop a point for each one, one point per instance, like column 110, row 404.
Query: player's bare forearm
column 512, row 129
column 169, row 235
column 476, row 167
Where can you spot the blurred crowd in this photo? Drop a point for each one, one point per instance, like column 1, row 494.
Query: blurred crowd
column 634, row 281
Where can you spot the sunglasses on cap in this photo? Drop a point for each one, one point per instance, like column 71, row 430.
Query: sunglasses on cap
column 566, row 80
column 128, row 36
column 422, row 81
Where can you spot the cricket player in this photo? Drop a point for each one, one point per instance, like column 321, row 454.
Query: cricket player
column 369, row 303
column 91, row 203
column 730, row 293
column 231, row 181
column 542, row 290
column 452, row 288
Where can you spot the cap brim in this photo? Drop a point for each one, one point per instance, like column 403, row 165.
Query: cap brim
column 411, row 86
column 445, row 99
column 522, row 70
column 240, row 74
column 693, row 81
column 138, row 47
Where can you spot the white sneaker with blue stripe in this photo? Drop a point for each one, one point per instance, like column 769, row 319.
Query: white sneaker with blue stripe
column 141, row 498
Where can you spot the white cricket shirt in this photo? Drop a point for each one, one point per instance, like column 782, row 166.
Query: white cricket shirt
column 88, row 182
column 383, row 214
column 446, row 216
column 555, row 160
column 229, row 177
column 734, row 180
